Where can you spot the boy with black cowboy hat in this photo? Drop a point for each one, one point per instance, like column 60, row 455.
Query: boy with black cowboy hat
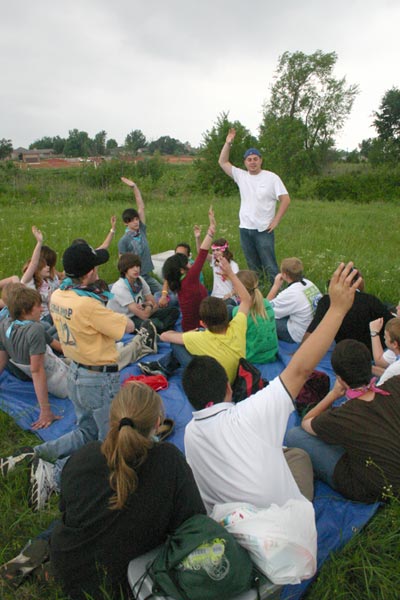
column 87, row 331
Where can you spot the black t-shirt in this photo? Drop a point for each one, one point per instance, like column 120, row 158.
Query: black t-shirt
column 92, row 539
column 355, row 326
column 370, row 434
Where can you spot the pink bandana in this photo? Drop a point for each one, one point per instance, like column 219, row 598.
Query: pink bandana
column 220, row 248
column 371, row 387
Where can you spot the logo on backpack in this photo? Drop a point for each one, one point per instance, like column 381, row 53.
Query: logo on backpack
column 210, row 557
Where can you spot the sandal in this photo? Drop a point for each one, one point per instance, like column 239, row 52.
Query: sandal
column 165, row 429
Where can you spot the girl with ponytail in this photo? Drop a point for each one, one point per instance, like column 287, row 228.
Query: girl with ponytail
column 120, row 498
column 261, row 337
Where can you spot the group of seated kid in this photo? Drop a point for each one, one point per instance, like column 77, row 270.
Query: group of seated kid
column 122, row 490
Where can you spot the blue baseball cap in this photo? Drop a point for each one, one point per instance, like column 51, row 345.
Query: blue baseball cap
column 252, row 151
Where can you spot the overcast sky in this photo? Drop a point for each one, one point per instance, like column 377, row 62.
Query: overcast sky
column 169, row 67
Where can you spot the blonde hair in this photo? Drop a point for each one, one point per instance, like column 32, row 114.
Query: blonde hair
column 9, row 289
column 126, row 447
column 250, row 282
column 393, row 329
column 293, row 267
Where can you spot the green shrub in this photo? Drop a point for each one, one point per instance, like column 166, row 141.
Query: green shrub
column 370, row 185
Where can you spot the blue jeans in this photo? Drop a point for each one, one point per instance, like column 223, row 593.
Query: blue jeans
column 259, row 251
column 91, row 393
column 282, row 330
column 324, row 457
column 178, row 357
column 153, row 283
column 173, row 298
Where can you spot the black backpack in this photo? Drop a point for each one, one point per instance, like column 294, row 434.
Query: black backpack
column 248, row 381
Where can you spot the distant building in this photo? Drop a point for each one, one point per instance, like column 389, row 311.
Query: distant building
column 31, row 156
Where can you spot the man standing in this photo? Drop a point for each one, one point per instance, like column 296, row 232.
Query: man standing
column 260, row 190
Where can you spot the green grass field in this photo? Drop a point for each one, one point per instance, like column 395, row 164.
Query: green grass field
column 320, row 233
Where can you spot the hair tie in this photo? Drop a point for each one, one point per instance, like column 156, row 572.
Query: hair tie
column 126, row 421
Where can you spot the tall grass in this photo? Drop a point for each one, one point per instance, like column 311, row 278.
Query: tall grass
column 321, row 234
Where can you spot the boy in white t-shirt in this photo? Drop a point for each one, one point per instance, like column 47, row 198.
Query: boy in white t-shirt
column 294, row 307
column 235, row 451
column 387, row 362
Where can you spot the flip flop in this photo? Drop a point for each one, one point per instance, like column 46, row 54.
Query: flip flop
column 165, row 429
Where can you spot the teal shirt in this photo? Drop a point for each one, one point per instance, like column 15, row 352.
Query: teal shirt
column 261, row 338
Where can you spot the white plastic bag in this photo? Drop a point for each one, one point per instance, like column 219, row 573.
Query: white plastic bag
column 282, row 540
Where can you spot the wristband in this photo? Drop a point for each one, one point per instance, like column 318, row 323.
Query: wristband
column 164, row 293
column 112, row 230
column 374, row 333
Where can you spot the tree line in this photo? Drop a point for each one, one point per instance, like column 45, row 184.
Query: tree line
column 307, row 107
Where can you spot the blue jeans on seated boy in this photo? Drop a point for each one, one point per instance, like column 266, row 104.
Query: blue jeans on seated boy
column 282, row 330
column 324, row 457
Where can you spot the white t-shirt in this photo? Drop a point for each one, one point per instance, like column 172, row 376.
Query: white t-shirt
column 298, row 302
column 222, row 287
column 235, row 451
column 389, row 356
column 391, row 371
column 123, row 296
column 258, row 197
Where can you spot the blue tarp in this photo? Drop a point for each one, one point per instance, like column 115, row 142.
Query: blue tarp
column 337, row 519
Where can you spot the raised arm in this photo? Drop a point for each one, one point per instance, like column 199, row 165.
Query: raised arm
column 208, row 239
column 30, row 271
column 341, row 291
column 245, row 298
column 278, row 282
column 223, row 160
column 110, row 234
column 197, row 234
column 138, row 198
column 375, row 328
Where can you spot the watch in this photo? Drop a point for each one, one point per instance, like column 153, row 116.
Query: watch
column 374, row 333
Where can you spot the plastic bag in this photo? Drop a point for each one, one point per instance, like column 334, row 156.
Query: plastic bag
column 281, row 540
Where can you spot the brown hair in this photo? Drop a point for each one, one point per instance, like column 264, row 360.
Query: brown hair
column 50, row 256
column 37, row 278
column 214, row 313
column 393, row 329
column 21, row 300
column 127, row 261
column 226, row 253
column 250, row 282
column 293, row 267
column 11, row 288
column 126, row 448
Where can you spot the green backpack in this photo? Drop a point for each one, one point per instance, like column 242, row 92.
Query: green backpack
column 201, row 561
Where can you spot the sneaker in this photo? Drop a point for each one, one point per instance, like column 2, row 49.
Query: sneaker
column 42, row 483
column 148, row 333
column 152, row 368
column 23, row 455
column 31, row 557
